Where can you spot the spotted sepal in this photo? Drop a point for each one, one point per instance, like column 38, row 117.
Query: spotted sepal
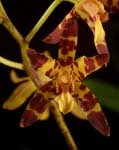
column 38, row 107
column 55, row 35
column 43, row 65
column 89, row 104
column 84, row 66
column 66, row 33
column 68, row 43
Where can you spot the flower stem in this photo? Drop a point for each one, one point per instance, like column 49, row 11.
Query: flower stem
column 25, row 60
column 72, row 1
column 42, row 20
column 11, row 63
column 6, row 22
column 62, row 125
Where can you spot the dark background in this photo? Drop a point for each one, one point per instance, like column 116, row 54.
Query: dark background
column 46, row 135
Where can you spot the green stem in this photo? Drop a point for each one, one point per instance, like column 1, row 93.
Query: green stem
column 62, row 125
column 11, row 63
column 42, row 20
column 71, row 1
column 24, row 47
column 32, row 33
column 9, row 25
column 45, row 16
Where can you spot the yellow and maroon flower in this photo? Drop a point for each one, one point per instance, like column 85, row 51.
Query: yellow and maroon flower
column 66, row 88
column 64, row 77
column 60, row 80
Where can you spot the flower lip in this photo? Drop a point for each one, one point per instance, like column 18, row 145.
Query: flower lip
column 65, row 78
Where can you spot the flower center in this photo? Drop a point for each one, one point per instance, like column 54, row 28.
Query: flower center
column 65, row 78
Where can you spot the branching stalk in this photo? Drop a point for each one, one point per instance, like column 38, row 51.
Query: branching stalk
column 9, row 25
column 24, row 45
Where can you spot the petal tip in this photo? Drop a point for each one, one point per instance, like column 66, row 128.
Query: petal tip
column 98, row 120
column 30, row 52
column 8, row 107
column 28, row 118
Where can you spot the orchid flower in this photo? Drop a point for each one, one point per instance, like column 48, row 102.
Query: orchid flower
column 64, row 77
column 66, row 88
column 60, row 80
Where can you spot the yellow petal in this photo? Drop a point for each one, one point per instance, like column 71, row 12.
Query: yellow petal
column 99, row 31
column 65, row 102
column 30, row 117
column 44, row 115
column 78, row 112
column 19, row 95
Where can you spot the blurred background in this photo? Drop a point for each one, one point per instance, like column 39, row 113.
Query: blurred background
column 46, row 135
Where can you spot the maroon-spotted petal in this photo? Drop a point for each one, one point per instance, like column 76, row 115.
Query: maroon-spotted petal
column 54, row 37
column 90, row 106
column 28, row 118
column 37, row 105
column 98, row 120
column 37, row 59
